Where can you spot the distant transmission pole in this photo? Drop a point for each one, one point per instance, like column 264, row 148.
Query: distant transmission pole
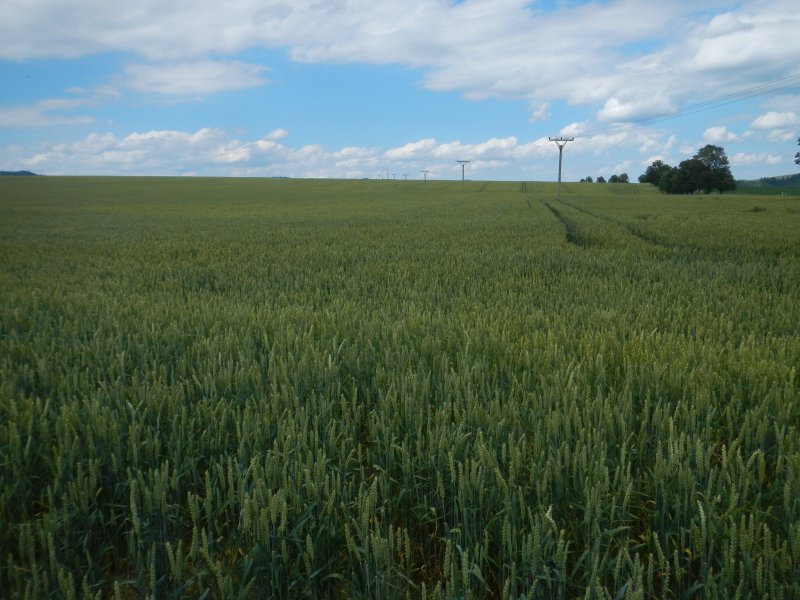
column 405, row 179
column 425, row 174
column 463, row 163
column 560, row 142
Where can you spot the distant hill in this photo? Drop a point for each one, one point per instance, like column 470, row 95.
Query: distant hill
column 789, row 184
column 17, row 174
column 779, row 181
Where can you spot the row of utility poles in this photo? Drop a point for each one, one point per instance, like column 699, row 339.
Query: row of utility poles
column 405, row 175
column 424, row 174
column 560, row 142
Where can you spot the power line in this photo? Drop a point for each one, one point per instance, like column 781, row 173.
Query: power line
column 777, row 85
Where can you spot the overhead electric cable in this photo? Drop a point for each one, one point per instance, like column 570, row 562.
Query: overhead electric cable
column 777, row 85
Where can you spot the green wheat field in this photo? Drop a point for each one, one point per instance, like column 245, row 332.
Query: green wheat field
column 277, row 388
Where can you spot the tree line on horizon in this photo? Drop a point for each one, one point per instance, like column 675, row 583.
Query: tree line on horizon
column 613, row 179
column 706, row 171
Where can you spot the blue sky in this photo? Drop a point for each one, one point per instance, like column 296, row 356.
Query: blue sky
column 353, row 88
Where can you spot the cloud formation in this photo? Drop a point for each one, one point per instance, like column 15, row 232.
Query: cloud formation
column 605, row 53
column 39, row 114
column 51, row 112
column 742, row 159
column 214, row 151
column 604, row 64
column 193, row 78
column 781, row 126
column 718, row 135
column 776, row 120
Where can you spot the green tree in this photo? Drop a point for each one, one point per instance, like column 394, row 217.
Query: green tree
column 601, row 179
column 718, row 172
column 691, row 177
column 613, row 179
column 797, row 156
column 686, row 178
column 654, row 173
column 666, row 179
column 624, row 178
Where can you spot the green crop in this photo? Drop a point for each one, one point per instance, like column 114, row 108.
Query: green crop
column 370, row 389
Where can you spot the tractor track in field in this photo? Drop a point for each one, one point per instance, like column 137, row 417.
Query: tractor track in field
column 572, row 231
column 629, row 227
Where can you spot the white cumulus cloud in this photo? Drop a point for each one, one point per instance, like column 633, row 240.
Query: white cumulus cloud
column 780, row 126
column 603, row 53
column 277, row 134
column 540, row 111
column 38, row 115
column 717, row 135
column 743, row 159
column 214, row 151
column 412, row 149
column 776, row 120
column 616, row 109
column 193, row 78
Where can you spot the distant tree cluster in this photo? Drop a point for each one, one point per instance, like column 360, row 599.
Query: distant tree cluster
column 613, row 179
column 17, row 174
column 797, row 156
column 706, row 171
